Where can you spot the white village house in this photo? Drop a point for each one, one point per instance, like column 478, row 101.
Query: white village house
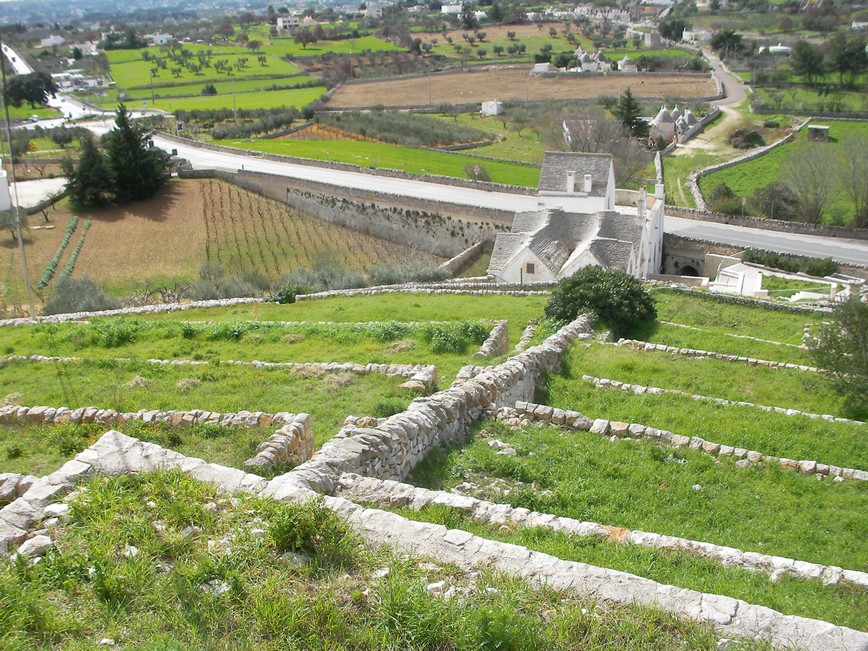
column 578, row 224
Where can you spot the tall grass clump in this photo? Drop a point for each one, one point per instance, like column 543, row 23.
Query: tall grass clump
column 78, row 295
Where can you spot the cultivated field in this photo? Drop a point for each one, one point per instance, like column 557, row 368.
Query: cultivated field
column 513, row 83
column 166, row 239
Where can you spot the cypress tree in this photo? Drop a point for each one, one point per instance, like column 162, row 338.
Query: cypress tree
column 629, row 112
column 90, row 182
column 138, row 170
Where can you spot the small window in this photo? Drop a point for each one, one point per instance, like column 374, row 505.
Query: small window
column 531, row 268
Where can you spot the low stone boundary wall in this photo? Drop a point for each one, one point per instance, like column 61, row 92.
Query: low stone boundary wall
column 14, row 485
column 735, row 336
column 84, row 415
column 647, row 346
column 526, row 413
column 392, row 494
column 392, row 449
column 442, row 288
column 420, row 377
column 293, row 443
column 460, row 262
column 116, row 453
column 693, row 178
column 739, row 300
column 639, row 389
column 526, row 337
column 497, row 342
column 139, row 309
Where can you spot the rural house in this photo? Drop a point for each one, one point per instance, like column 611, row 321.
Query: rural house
column 578, row 224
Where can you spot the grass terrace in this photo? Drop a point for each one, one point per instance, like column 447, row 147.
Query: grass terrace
column 385, row 156
column 843, row 605
column 131, row 386
column 287, row 47
column 304, row 580
column 643, row 486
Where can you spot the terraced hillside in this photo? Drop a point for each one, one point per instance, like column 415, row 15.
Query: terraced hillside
column 704, row 471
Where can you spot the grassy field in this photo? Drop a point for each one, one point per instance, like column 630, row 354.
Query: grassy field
column 133, row 72
column 762, row 385
column 640, row 485
column 839, row 604
column 112, row 384
column 526, row 147
column 385, row 156
column 223, row 87
column 745, row 179
column 287, row 47
column 303, row 581
column 811, row 99
column 294, row 98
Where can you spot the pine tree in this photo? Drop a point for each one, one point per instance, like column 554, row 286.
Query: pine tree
column 90, row 182
column 138, row 170
column 629, row 112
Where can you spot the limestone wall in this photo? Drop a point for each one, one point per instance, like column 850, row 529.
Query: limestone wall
column 392, row 449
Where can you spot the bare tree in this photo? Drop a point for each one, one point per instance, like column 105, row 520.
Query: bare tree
column 807, row 174
column 593, row 132
column 853, row 174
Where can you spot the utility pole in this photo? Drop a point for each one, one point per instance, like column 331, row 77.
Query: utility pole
column 17, row 204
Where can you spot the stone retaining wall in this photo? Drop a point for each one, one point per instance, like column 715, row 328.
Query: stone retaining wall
column 497, row 342
column 291, row 444
column 526, row 413
column 637, row 344
column 392, row 449
column 526, row 337
column 116, row 454
column 391, row 495
column 639, row 389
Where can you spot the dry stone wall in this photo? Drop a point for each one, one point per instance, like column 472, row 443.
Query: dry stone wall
column 647, row 346
column 390, row 450
column 114, row 454
column 526, row 413
column 639, row 389
column 497, row 342
column 392, row 494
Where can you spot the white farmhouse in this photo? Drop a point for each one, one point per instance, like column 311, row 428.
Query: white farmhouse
column 578, row 224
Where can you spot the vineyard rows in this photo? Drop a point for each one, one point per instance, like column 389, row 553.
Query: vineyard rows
column 48, row 274
column 70, row 264
column 248, row 234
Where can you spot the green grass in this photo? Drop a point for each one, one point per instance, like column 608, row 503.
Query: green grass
column 42, row 449
column 526, row 148
column 224, row 87
column 25, row 111
column 132, row 72
column 403, row 307
column 449, row 346
column 640, row 485
column 287, row 47
column 762, row 385
column 677, row 168
column 296, row 98
column 811, row 99
column 386, row 156
column 775, row 434
column 328, row 397
column 843, row 605
column 779, row 287
column 720, row 342
column 745, row 179
column 714, row 315
column 87, row 589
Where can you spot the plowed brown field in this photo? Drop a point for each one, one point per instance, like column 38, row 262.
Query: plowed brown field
column 514, row 83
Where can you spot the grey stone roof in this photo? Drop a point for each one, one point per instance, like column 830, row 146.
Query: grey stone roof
column 563, row 233
column 615, row 226
column 506, row 245
column 611, row 254
column 553, row 175
column 529, row 222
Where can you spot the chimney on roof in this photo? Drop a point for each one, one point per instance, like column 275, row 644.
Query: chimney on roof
column 571, row 182
column 588, row 183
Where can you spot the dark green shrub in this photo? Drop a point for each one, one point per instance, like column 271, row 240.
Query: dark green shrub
column 613, row 298
column 286, row 293
column 78, row 295
column 746, row 139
